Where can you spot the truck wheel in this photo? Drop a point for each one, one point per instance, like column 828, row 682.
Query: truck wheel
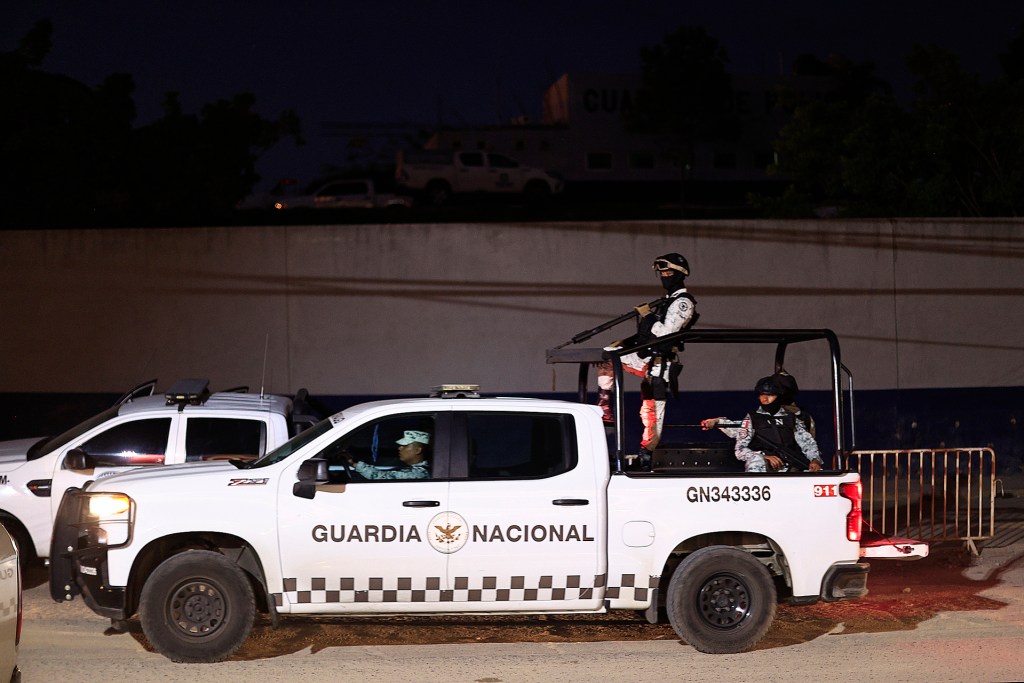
column 721, row 600
column 197, row 607
column 438, row 193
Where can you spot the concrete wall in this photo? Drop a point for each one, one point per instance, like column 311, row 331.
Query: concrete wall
column 383, row 309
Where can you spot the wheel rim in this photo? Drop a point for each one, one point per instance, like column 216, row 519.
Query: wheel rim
column 197, row 608
column 724, row 601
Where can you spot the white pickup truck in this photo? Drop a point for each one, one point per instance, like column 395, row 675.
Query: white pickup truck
column 520, row 507
column 186, row 424
column 437, row 176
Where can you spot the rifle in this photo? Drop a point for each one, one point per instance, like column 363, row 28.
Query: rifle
column 791, row 459
column 587, row 334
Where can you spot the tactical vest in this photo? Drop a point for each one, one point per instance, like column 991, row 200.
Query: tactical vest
column 775, row 429
column 659, row 311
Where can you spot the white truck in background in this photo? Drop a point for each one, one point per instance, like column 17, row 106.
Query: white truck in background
column 438, row 176
column 185, row 424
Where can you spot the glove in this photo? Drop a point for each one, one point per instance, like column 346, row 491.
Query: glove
column 642, row 310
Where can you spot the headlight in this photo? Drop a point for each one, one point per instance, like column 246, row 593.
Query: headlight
column 108, row 519
column 107, row 506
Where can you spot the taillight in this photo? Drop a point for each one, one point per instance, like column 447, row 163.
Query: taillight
column 852, row 491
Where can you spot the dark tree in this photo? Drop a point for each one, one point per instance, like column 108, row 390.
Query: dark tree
column 686, row 92
column 69, row 154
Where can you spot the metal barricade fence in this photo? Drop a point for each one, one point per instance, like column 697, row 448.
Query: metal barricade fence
column 943, row 494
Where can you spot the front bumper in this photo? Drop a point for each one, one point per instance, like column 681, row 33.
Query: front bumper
column 78, row 567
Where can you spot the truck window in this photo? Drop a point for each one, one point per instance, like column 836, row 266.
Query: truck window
column 224, row 438
column 519, row 445
column 472, row 158
column 374, row 448
column 131, row 444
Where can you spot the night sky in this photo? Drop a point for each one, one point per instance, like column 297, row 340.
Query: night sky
column 462, row 62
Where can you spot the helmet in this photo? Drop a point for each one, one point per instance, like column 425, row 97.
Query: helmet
column 788, row 385
column 672, row 270
column 672, row 261
column 768, row 385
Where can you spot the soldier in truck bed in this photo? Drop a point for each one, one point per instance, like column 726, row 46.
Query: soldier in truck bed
column 787, row 384
column 774, row 439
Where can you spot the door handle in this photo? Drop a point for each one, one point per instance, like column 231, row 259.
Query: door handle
column 570, row 501
column 421, row 503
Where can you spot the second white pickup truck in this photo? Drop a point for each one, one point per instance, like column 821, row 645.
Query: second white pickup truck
column 519, row 507
column 185, row 424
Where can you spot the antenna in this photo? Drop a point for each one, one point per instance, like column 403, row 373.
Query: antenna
column 263, row 379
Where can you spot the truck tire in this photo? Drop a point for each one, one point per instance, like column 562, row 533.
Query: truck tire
column 721, row 600
column 197, row 606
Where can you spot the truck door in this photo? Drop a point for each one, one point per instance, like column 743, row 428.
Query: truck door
column 524, row 528
column 210, row 436
column 505, row 173
column 119, row 445
column 360, row 544
column 472, row 174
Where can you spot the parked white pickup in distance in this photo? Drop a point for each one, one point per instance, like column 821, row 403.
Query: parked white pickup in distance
column 437, row 176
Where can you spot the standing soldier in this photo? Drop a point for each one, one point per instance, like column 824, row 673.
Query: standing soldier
column 658, row 367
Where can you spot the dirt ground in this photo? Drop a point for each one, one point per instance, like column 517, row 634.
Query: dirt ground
column 902, row 595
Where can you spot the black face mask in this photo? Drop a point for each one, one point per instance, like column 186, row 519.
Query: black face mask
column 674, row 281
column 771, row 408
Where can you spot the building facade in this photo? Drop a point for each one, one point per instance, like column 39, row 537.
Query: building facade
column 583, row 136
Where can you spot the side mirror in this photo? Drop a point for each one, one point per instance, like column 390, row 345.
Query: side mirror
column 77, row 459
column 311, row 472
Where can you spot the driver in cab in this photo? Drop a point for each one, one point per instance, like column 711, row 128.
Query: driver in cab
column 412, row 451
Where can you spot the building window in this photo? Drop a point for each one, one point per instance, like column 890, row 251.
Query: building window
column 599, row 161
column 641, row 160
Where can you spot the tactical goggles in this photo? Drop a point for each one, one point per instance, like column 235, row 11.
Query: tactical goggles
column 662, row 264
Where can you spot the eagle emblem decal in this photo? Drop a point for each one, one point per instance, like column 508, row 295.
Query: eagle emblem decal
column 447, row 532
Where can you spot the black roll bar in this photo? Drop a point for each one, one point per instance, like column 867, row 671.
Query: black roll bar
column 782, row 338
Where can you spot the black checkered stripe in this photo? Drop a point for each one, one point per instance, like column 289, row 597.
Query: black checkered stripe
column 9, row 607
column 428, row 589
column 631, row 582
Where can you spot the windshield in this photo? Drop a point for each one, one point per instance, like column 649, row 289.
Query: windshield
column 292, row 445
column 50, row 445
